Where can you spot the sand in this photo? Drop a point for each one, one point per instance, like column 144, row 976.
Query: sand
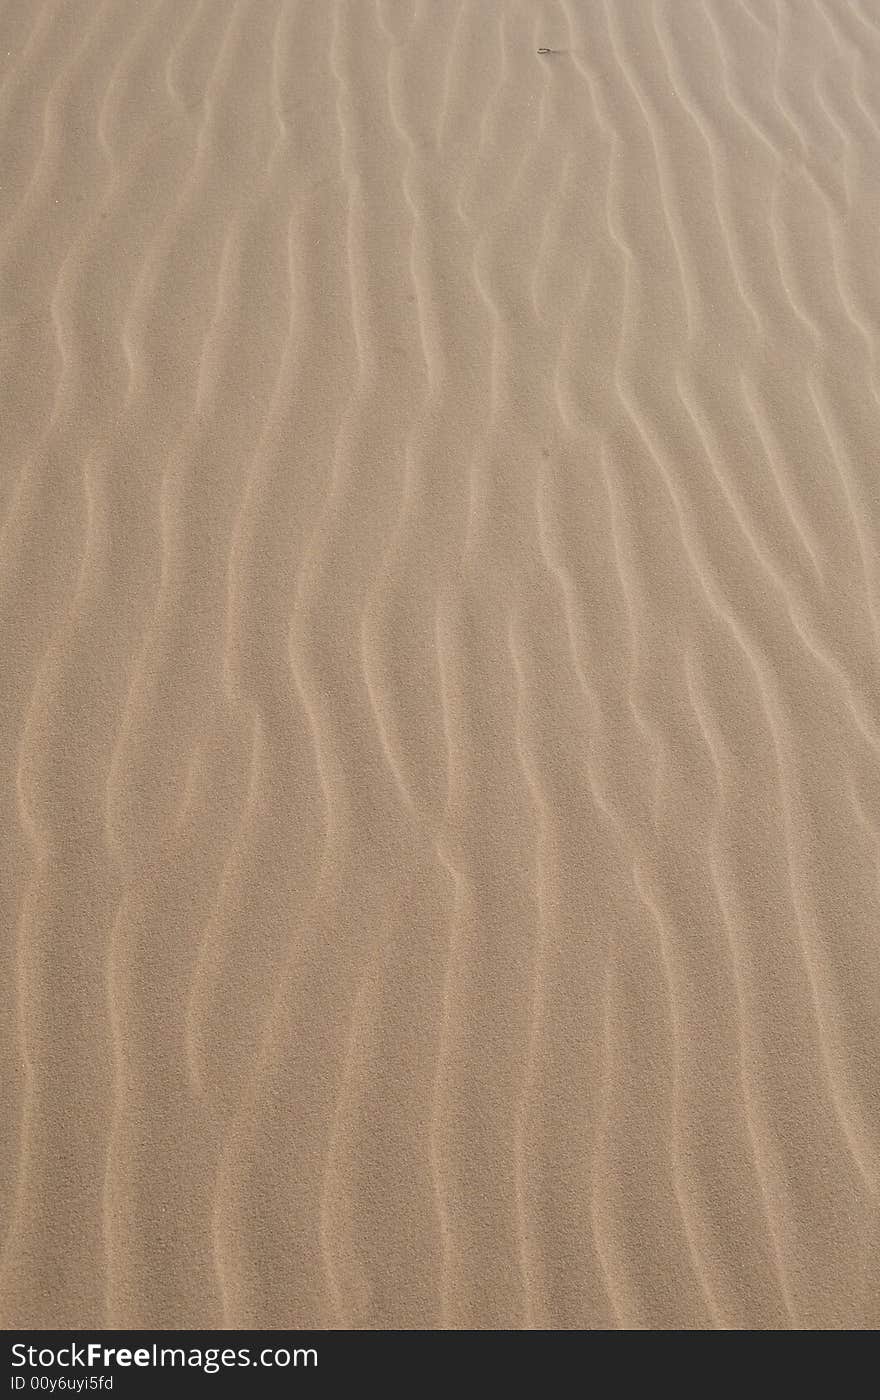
column 440, row 703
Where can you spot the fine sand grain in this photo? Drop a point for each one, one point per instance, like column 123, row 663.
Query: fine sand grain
column 439, row 699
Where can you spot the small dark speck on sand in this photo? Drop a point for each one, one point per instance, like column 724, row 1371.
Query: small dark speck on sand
column 546, row 51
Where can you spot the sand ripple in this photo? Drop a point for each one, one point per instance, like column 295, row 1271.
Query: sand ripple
column 440, row 711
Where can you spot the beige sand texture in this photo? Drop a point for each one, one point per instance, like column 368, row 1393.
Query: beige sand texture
column 439, row 619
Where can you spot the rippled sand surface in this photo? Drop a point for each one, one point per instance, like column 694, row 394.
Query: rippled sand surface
column 440, row 702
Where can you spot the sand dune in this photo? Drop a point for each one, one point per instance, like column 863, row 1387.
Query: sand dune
column 440, row 702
